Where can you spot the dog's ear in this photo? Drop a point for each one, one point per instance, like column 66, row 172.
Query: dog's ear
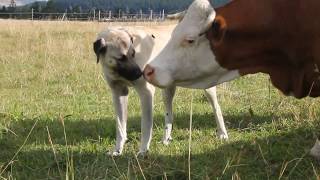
column 99, row 46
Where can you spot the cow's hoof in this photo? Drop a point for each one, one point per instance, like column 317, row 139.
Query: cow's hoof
column 166, row 141
column 315, row 150
column 223, row 136
column 115, row 153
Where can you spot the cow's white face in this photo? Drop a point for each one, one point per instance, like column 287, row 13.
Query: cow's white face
column 187, row 60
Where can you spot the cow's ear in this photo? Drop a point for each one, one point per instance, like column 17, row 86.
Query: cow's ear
column 99, row 46
column 218, row 29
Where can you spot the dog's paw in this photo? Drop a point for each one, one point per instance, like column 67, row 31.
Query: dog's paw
column 115, row 153
column 222, row 135
column 143, row 153
column 166, row 141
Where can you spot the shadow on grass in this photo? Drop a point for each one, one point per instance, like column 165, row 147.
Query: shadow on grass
column 80, row 130
column 207, row 120
column 284, row 154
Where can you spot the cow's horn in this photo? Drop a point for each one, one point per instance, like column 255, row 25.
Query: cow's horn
column 210, row 19
column 177, row 16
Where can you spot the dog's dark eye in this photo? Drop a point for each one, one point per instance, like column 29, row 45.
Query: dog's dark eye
column 103, row 50
column 123, row 58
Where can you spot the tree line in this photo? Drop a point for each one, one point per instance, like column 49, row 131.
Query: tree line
column 127, row 6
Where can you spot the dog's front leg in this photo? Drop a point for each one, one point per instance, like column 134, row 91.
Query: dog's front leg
column 211, row 94
column 146, row 93
column 120, row 101
column 167, row 96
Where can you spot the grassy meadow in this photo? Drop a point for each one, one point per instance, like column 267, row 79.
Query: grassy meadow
column 57, row 119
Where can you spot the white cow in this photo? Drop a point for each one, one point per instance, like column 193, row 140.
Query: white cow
column 187, row 59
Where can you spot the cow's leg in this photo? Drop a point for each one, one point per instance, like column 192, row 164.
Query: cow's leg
column 167, row 96
column 146, row 93
column 120, row 101
column 211, row 94
column 315, row 151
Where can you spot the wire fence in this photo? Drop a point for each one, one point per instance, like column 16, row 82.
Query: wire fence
column 101, row 16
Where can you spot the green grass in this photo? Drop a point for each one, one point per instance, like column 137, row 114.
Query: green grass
column 49, row 80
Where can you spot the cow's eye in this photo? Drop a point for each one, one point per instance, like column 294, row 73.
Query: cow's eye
column 190, row 41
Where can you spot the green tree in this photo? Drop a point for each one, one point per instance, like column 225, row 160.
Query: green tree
column 77, row 9
column 36, row 6
column 4, row 9
column 50, row 7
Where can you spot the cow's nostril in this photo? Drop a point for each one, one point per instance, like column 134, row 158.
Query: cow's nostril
column 148, row 71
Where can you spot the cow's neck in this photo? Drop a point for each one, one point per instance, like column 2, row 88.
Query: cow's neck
column 258, row 42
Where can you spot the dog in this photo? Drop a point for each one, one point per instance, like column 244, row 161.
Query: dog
column 123, row 53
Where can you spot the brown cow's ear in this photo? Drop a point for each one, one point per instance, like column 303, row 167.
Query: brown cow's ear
column 218, row 28
column 99, row 47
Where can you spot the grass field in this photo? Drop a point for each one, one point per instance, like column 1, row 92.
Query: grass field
column 57, row 119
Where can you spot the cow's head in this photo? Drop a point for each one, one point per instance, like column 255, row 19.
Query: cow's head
column 115, row 51
column 187, row 60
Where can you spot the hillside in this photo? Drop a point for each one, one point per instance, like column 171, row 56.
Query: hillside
column 18, row 2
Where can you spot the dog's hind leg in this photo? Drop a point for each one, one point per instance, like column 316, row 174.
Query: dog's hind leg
column 146, row 92
column 167, row 96
column 120, row 101
column 211, row 95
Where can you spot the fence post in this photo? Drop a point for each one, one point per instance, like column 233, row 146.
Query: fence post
column 141, row 17
column 99, row 16
column 32, row 14
column 119, row 13
column 110, row 15
column 151, row 12
column 94, row 14
column 163, row 14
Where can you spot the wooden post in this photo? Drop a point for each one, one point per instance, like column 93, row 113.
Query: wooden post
column 119, row 16
column 151, row 13
column 99, row 15
column 32, row 14
column 141, row 17
column 110, row 15
column 163, row 15
column 94, row 14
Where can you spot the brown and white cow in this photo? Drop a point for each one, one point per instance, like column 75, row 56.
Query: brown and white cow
column 211, row 46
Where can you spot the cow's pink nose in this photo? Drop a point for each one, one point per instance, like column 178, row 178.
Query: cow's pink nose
column 148, row 72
